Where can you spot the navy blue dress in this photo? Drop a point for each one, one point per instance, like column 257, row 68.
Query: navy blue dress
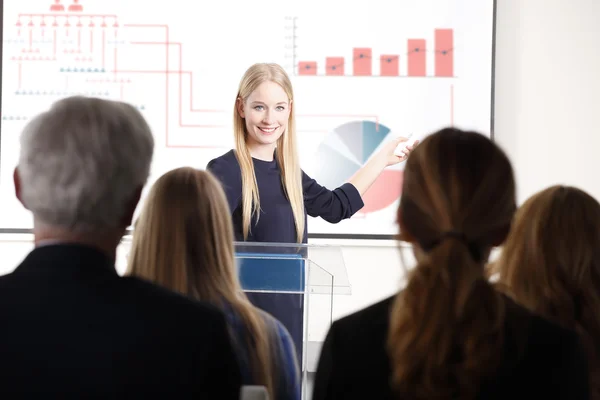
column 276, row 225
column 276, row 221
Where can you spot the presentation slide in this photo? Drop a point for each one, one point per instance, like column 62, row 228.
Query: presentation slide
column 363, row 73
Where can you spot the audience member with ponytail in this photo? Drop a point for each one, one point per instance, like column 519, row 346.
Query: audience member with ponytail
column 448, row 334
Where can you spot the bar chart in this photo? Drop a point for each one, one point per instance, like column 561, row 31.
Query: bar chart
column 420, row 57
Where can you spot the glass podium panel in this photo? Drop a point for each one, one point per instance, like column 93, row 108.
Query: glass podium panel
column 328, row 257
column 295, row 283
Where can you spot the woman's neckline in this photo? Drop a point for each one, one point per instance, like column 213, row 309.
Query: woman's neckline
column 266, row 162
column 263, row 163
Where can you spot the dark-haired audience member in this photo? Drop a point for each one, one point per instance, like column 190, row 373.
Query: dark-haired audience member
column 551, row 264
column 448, row 334
column 70, row 326
column 183, row 240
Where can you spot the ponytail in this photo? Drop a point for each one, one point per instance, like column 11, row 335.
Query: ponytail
column 446, row 326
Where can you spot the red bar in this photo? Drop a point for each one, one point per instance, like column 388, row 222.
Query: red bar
column 390, row 65
column 362, row 62
column 444, row 54
column 416, row 57
column 307, row 68
column 334, row 66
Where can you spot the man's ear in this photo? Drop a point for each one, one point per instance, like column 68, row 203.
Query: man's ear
column 240, row 107
column 18, row 187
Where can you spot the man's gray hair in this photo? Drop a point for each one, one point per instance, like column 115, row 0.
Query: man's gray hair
column 81, row 162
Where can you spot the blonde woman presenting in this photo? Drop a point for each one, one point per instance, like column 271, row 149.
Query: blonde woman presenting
column 269, row 195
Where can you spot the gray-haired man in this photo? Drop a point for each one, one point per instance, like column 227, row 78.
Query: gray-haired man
column 70, row 326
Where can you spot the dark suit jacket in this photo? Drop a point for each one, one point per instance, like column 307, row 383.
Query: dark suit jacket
column 552, row 365
column 70, row 327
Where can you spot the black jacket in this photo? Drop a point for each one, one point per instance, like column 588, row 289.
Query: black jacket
column 541, row 360
column 71, row 327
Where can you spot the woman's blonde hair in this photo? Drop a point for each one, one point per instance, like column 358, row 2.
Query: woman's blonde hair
column 183, row 240
column 551, row 264
column 287, row 157
column 446, row 327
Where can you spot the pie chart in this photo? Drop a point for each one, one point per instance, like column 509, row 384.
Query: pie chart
column 345, row 150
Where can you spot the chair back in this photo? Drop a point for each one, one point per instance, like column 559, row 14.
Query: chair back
column 254, row 392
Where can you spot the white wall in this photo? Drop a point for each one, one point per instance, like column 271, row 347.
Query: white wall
column 548, row 91
column 547, row 103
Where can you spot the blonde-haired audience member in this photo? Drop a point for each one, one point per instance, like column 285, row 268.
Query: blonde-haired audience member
column 551, row 264
column 183, row 240
column 448, row 334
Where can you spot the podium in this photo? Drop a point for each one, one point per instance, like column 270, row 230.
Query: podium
column 296, row 284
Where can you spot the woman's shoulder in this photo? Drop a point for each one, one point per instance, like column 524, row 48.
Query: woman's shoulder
column 274, row 326
column 226, row 159
column 279, row 333
column 227, row 169
column 365, row 324
column 550, row 356
column 520, row 319
column 284, row 356
column 539, row 337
